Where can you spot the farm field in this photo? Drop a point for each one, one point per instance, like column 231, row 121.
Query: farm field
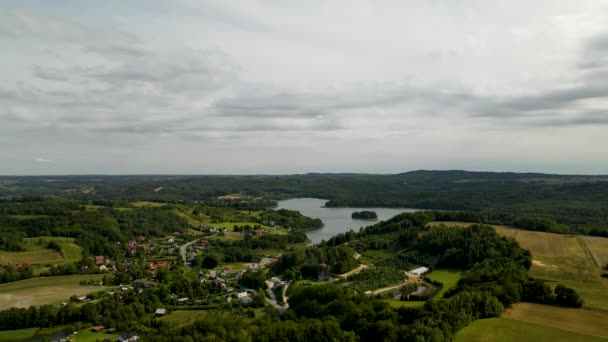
column 598, row 246
column 46, row 290
column 507, row 330
column 180, row 318
column 36, row 252
column 566, row 259
column 588, row 322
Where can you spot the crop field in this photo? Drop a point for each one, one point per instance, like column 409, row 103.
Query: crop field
column 37, row 252
column 508, row 330
column 46, row 290
column 588, row 322
column 598, row 246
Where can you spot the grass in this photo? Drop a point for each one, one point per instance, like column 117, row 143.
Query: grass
column 403, row 303
column 36, row 252
column 27, row 334
column 582, row 321
column 140, row 204
column 40, row 291
column 448, row 277
column 86, row 335
column 507, row 330
column 230, row 225
column 598, row 246
column 182, row 318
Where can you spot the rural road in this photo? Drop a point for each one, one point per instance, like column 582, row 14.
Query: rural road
column 355, row 271
column 182, row 251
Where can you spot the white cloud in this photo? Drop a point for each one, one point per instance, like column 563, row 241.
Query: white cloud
column 42, row 160
column 265, row 86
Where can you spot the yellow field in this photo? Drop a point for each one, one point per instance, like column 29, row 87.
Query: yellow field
column 598, row 247
column 509, row 330
column 588, row 322
column 37, row 253
column 46, row 290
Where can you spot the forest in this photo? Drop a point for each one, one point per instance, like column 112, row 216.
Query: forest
column 571, row 204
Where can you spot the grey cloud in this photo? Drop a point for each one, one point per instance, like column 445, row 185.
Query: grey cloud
column 50, row 74
column 585, row 118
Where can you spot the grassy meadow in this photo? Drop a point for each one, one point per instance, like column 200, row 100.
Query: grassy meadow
column 508, row 330
column 45, row 290
column 37, row 253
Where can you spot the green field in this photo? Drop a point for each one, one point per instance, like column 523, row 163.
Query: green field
column 508, row 330
column 46, row 290
column 84, row 335
column 582, row 321
column 448, row 277
column 37, row 253
column 401, row 303
column 181, row 318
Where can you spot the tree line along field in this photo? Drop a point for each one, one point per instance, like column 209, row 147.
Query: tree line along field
column 574, row 261
column 37, row 252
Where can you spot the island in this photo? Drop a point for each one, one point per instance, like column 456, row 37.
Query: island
column 364, row 215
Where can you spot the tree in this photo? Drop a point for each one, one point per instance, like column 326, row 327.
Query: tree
column 566, row 296
column 210, row 261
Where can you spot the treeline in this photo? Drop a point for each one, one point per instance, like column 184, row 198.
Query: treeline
column 290, row 219
column 97, row 231
column 308, row 263
column 364, row 215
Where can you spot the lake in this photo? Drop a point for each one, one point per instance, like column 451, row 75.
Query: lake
column 336, row 220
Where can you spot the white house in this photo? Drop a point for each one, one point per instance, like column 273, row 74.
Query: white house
column 420, row 270
column 241, row 295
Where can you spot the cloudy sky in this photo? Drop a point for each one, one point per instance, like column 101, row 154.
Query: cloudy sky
column 202, row 87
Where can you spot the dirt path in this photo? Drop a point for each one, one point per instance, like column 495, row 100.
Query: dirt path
column 355, row 271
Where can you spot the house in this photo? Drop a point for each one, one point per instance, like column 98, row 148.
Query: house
column 241, row 295
column 22, row 266
column 160, row 312
column 129, row 337
column 127, row 263
column 154, row 266
column 142, row 238
column 170, row 241
column 100, row 260
column 142, row 283
column 419, row 271
column 97, row 328
column 183, row 300
column 253, row 267
column 219, row 282
column 103, row 268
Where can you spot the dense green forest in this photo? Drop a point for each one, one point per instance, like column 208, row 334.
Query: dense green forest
column 572, row 204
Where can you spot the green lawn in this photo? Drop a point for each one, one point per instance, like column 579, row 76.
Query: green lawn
column 45, row 290
column 507, row 330
column 401, row 303
column 86, row 335
column 36, row 252
column 181, row 318
column 26, row 334
column 448, row 277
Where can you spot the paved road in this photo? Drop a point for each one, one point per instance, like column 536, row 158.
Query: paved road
column 182, row 251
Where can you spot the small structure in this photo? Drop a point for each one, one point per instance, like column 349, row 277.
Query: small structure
column 128, row 337
column 142, row 283
column 171, row 241
column 160, row 312
column 183, row 300
column 419, row 271
column 100, row 260
column 97, row 328
column 241, row 295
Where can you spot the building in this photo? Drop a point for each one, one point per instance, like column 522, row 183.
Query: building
column 142, row 283
column 129, row 337
column 97, row 328
column 100, row 260
column 241, row 295
column 419, row 271
column 160, row 312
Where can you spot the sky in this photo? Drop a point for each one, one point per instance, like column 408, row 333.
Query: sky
column 281, row 87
